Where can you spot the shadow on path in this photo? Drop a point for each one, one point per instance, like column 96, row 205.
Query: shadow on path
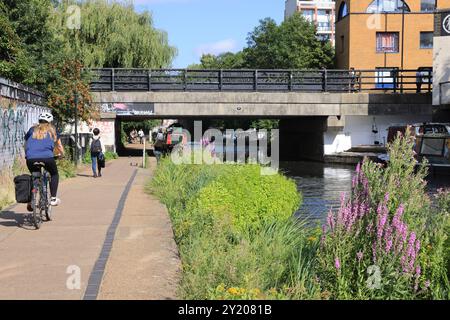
column 13, row 219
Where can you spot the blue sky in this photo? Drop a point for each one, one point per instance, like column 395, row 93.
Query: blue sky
column 208, row 26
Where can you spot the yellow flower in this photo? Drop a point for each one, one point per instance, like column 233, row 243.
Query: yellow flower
column 312, row 239
column 232, row 291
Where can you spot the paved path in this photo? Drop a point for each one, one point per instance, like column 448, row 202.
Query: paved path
column 34, row 264
column 144, row 262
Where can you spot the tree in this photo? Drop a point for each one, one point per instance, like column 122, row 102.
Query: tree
column 113, row 35
column 69, row 78
column 226, row 60
column 28, row 43
column 291, row 45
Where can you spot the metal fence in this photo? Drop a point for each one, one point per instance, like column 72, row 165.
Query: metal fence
column 381, row 80
column 18, row 92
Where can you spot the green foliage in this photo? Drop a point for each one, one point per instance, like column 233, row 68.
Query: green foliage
column 109, row 155
column 7, row 174
column 226, row 60
column 66, row 169
column 114, row 35
column 38, row 49
column 291, row 45
column 401, row 179
column 145, row 125
column 250, row 199
column 68, row 79
column 387, row 230
column 27, row 41
column 223, row 255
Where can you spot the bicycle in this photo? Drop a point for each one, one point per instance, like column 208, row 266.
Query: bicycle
column 40, row 195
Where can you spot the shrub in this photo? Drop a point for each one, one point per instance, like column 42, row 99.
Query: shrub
column 387, row 230
column 109, row 155
column 66, row 169
column 227, row 253
column 249, row 198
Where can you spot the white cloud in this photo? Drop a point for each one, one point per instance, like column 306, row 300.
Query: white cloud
column 227, row 45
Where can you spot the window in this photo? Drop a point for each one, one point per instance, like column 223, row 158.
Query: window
column 426, row 40
column 385, row 78
column 343, row 11
column 380, row 6
column 342, row 45
column 308, row 14
column 387, row 42
column 427, row 5
column 323, row 37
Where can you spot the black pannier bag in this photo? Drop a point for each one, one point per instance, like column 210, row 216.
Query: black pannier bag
column 23, row 185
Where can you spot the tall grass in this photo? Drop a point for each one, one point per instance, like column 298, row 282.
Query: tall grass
column 7, row 174
column 387, row 241
column 224, row 256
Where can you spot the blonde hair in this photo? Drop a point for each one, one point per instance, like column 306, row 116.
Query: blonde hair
column 42, row 129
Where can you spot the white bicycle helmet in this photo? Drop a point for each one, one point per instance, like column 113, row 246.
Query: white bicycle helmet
column 46, row 116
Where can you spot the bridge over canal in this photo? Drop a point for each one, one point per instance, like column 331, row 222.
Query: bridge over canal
column 309, row 103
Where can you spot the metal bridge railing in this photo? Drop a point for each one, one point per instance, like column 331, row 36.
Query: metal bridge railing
column 378, row 80
column 19, row 92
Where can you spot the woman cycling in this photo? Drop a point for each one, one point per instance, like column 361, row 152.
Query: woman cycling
column 41, row 141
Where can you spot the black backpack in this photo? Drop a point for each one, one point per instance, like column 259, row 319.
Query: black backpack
column 23, row 185
column 96, row 146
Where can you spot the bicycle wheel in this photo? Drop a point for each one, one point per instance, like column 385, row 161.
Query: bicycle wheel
column 46, row 202
column 36, row 204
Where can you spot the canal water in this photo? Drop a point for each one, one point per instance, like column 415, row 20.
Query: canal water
column 322, row 185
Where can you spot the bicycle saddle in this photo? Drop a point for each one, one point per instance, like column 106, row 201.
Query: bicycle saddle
column 39, row 164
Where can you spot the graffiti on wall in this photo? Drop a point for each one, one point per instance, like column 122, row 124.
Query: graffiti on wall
column 129, row 109
column 105, row 127
column 14, row 123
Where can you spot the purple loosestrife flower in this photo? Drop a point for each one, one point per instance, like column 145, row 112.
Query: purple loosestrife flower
column 398, row 215
column 354, row 182
column 411, row 252
column 359, row 255
column 323, row 238
column 337, row 263
column 369, row 227
column 418, row 271
column 374, row 252
column 330, row 221
column 404, row 232
column 380, row 227
column 388, row 240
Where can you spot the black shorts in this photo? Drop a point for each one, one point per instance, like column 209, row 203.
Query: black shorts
column 50, row 165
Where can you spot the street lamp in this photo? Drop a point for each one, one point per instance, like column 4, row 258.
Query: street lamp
column 403, row 44
column 76, row 128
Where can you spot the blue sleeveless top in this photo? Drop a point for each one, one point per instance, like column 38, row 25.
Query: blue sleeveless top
column 39, row 149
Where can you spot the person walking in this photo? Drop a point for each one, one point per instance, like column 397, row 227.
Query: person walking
column 141, row 136
column 158, row 148
column 97, row 154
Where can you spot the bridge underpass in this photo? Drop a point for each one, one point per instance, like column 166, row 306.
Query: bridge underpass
column 323, row 118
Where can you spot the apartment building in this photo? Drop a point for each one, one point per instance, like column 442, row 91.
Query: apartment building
column 319, row 12
column 377, row 34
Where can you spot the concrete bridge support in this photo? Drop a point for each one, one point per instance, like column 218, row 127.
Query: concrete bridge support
column 302, row 138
